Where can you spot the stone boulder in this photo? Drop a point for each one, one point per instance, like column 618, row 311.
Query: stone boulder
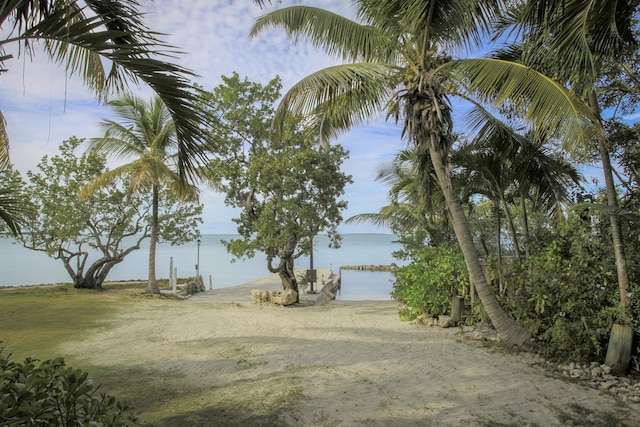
column 195, row 286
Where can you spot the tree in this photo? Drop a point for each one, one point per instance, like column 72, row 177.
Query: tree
column 586, row 38
column 286, row 186
column 91, row 235
column 84, row 36
column 505, row 163
column 147, row 137
column 399, row 62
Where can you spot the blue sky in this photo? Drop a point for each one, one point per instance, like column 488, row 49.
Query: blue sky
column 43, row 106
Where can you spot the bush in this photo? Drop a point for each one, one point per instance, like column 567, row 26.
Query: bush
column 53, row 394
column 427, row 285
column 566, row 294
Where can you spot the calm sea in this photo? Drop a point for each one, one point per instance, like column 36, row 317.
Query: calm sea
column 20, row 266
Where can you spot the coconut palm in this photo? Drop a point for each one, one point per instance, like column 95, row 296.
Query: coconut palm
column 396, row 59
column 147, row 138
column 81, row 35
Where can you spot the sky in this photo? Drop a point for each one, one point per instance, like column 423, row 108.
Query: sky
column 43, row 106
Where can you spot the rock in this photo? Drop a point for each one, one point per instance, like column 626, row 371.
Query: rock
column 195, row 286
column 286, row 297
column 325, row 294
column 445, row 322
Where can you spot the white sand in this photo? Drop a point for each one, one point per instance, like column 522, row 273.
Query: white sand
column 345, row 363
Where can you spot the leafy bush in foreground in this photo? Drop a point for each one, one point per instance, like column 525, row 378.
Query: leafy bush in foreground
column 53, row 394
column 427, row 285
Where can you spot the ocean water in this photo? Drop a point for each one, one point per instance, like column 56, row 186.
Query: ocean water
column 20, row 266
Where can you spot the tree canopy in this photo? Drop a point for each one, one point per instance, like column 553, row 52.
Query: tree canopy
column 286, row 186
column 91, row 235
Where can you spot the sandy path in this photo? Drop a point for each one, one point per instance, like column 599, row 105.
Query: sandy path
column 341, row 364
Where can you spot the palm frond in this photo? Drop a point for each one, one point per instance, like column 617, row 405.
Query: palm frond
column 116, row 33
column 5, row 159
column 547, row 104
column 445, row 24
column 340, row 97
column 337, row 35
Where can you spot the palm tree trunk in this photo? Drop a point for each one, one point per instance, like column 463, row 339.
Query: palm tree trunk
column 509, row 331
column 499, row 237
column 525, row 223
column 612, row 200
column 619, row 348
column 153, row 283
column 512, row 229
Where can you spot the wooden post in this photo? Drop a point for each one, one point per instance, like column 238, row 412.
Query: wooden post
column 457, row 306
column 171, row 274
column 619, row 349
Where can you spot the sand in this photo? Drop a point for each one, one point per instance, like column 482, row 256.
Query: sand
column 345, row 363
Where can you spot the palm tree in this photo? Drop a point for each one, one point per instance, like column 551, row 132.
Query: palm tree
column 585, row 38
column 505, row 163
column 80, row 35
column 147, row 137
column 398, row 62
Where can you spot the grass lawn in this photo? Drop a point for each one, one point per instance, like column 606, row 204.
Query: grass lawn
column 35, row 319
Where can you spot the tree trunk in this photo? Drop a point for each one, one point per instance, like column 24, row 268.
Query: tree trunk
column 612, row 200
column 512, row 229
column 618, row 343
column 288, row 276
column 525, row 224
column 619, row 350
column 153, row 283
column 509, row 331
column 500, row 258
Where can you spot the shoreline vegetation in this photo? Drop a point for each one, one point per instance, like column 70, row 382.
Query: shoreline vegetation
column 184, row 363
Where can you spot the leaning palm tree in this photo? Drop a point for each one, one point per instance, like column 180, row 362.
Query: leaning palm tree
column 146, row 137
column 81, row 35
column 396, row 60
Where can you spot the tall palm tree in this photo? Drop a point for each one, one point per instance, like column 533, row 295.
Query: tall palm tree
column 147, row 137
column 396, row 57
column 79, row 35
column 585, row 39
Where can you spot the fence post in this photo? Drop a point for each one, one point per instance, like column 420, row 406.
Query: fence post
column 457, row 305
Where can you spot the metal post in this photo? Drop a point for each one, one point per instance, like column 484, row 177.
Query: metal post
column 198, row 264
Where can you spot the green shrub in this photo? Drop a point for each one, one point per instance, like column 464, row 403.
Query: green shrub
column 427, row 285
column 53, row 394
column 566, row 294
